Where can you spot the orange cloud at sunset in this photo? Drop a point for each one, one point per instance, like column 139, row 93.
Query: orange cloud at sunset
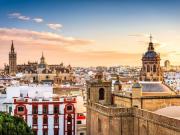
column 39, row 37
column 57, row 48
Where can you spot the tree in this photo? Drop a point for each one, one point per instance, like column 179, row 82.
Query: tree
column 13, row 125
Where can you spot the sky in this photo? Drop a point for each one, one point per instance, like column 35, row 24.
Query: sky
column 89, row 32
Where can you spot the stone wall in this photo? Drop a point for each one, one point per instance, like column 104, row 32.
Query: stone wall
column 156, row 103
column 122, row 101
column 103, row 120
column 151, row 103
column 148, row 123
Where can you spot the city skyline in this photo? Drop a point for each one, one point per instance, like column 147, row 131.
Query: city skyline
column 89, row 33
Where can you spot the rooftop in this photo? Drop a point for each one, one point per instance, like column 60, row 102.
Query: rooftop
column 154, row 87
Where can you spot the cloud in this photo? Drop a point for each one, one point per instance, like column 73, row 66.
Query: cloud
column 38, row 20
column 19, row 16
column 54, row 26
column 25, row 18
column 35, row 37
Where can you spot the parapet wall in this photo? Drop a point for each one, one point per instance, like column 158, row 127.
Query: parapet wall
column 110, row 110
column 128, row 121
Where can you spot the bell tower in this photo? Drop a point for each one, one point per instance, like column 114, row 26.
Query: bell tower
column 98, row 94
column 99, row 90
column 12, row 60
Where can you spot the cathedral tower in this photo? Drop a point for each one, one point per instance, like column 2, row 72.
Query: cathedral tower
column 12, row 61
column 151, row 70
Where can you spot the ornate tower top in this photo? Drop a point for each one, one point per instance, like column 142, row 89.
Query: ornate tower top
column 42, row 58
column 12, row 47
column 151, row 47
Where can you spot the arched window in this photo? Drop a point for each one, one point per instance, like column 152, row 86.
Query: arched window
column 101, row 94
column 154, row 68
column 148, row 68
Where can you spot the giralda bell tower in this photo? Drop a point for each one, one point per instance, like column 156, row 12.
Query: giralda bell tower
column 12, row 61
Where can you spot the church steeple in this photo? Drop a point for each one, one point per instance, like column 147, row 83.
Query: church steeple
column 150, row 37
column 12, row 47
column 151, row 47
column 42, row 56
column 42, row 59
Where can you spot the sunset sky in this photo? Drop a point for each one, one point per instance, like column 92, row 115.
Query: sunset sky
column 89, row 32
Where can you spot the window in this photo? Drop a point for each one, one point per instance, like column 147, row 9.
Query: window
column 69, row 119
column 35, row 120
column 20, row 109
column 45, row 120
column 79, row 122
column 10, row 109
column 99, row 125
column 148, row 68
column 89, row 93
column 69, row 108
column 69, row 124
column 45, row 132
column 56, row 131
column 154, row 68
column 45, row 110
column 35, row 132
column 35, row 110
column 56, row 109
column 101, row 94
column 56, row 120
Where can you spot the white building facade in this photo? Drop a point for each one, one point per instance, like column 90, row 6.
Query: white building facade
column 56, row 116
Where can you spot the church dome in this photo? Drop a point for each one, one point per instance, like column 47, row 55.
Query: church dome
column 42, row 65
column 150, row 54
column 155, row 87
